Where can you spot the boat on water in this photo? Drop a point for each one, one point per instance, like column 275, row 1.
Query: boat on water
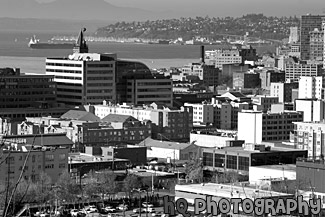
column 35, row 43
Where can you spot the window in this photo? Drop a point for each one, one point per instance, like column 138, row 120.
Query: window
column 231, row 162
column 49, row 157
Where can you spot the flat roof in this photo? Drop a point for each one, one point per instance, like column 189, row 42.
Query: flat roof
column 227, row 191
column 287, row 167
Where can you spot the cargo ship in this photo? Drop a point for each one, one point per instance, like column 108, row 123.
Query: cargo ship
column 36, row 44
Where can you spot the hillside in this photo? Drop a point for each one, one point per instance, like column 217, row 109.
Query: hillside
column 257, row 25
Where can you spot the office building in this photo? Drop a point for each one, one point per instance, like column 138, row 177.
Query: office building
column 283, row 91
column 310, row 136
column 203, row 113
column 311, row 87
column 293, row 72
column 52, row 161
column 240, row 159
column 255, row 126
column 83, row 78
column 248, row 53
column 313, row 109
column 218, row 138
column 173, row 124
column 316, row 43
column 307, row 24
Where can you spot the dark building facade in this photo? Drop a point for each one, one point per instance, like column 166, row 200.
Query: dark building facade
column 246, row 80
column 270, row 76
column 311, row 172
column 307, row 24
column 27, row 95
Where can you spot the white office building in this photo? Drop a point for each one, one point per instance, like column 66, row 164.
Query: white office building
column 311, row 87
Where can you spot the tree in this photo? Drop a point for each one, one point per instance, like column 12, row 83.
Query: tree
column 130, row 182
column 194, row 170
column 44, row 189
column 68, row 190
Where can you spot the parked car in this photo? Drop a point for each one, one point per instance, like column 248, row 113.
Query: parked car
column 91, row 209
column 145, row 204
column 113, row 215
column 137, row 210
column 74, row 212
column 122, row 207
column 110, row 209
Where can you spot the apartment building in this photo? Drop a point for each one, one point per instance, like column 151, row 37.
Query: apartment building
column 283, row 91
column 255, row 126
column 293, row 71
column 52, row 161
column 311, row 87
column 203, row 113
column 167, row 123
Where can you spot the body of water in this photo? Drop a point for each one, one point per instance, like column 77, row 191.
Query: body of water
column 14, row 52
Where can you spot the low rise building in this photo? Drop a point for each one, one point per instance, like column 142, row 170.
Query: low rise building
column 52, row 161
column 167, row 123
column 263, row 102
column 279, row 172
column 269, row 76
column 223, row 56
column 246, row 80
column 170, row 150
column 240, row 159
column 217, row 192
column 214, row 139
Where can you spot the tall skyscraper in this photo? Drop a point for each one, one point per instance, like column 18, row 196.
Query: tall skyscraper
column 307, row 24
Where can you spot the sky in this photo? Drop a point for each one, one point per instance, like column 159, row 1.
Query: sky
column 220, row 8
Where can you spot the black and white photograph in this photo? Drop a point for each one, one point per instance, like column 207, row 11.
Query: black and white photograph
column 162, row 108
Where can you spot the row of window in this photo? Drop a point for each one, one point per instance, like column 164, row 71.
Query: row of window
column 102, row 72
column 63, row 64
column 100, row 78
column 67, row 77
column 64, row 71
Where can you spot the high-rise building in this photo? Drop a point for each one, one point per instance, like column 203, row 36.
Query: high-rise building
column 83, row 78
column 311, row 87
column 307, row 24
column 316, row 43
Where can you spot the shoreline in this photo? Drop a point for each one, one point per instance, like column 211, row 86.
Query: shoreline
column 37, row 64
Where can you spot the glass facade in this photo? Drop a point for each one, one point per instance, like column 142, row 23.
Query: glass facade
column 231, row 162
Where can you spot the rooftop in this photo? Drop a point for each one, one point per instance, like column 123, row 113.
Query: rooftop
column 228, row 191
column 148, row 142
column 56, row 139
column 117, row 118
column 287, row 167
column 80, row 116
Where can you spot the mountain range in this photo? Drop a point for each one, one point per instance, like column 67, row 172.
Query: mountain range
column 73, row 10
